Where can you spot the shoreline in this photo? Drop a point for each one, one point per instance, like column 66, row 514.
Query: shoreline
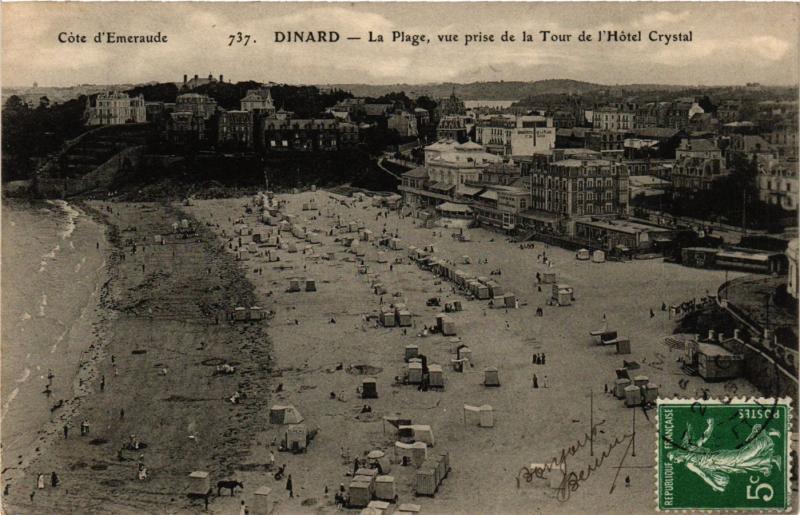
column 71, row 354
column 132, row 312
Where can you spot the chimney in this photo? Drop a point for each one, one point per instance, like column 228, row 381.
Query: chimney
column 711, row 335
column 220, row 78
column 185, row 77
column 721, row 337
column 210, row 77
column 736, row 333
column 195, row 76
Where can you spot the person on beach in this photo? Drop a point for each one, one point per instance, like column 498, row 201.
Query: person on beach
column 40, row 481
column 289, row 485
column 102, row 383
column 66, row 431
column 54, row 479
column 121, row 413
column 243, row 509
column 271, row 460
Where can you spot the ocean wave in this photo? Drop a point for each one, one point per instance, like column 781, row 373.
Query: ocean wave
column 25, row 375
column 72, row 215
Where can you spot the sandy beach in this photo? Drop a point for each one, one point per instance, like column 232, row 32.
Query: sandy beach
column 164, row 301
column 532, row 425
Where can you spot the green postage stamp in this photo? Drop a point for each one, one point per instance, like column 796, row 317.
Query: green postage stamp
column 727, row 455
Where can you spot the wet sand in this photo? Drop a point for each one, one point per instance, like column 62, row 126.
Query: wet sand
column 53, row 271
column 159, row 319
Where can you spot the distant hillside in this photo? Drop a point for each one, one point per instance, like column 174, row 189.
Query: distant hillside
column 502, row 90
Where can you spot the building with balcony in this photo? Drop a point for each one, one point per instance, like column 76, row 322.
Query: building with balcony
column 235, row 128
column 199, row 105
column 115, row 108
column 777, row 182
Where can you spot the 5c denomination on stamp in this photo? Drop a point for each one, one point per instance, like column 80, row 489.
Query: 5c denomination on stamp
column 728, row 455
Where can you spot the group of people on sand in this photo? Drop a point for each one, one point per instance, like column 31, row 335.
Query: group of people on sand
column 40, row 483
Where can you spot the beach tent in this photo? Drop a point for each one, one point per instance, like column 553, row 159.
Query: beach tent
column 291, row 247
column 158, row 238
column 412, row 351
column 404, row 318
column 387, row 319
column 279, row 414
column 382, row 257
column 360, row 493
column 465, row 353
column 311, row 285
column 396, row 244
column 549, row 277
column 414, row 373
column 633, row 396
column 199, row 483
column 436, row 376
column 410, row 453
column 421, row 432
column 256, row 313
column 262, row 501
column 582, row 255
column 640, row 381
column 482, row 415
column 445, row 325
column 619, row 387
column 491, row 377
column 369, row 388
column 294, row 285
column 385, row 488
column 482, row 292
column 425, row 479
column 495, row 290
column 295, row 438
column 598, row 256
column 510, row 300
column 408, row 509
column 650, row 393
column 240, row 314
column 623, row 346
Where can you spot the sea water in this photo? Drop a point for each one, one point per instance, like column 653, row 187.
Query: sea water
column 52, row 271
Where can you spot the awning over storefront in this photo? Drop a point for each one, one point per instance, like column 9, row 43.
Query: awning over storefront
column 488, row 195
column 450, row 207
column 467, row 191
column 442, row 186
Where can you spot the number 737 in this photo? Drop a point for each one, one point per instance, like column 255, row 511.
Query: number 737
column 242, row 39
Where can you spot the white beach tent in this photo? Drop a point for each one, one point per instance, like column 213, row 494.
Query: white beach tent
column 284, row 415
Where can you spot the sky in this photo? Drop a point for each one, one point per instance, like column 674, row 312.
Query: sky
column 733, row 43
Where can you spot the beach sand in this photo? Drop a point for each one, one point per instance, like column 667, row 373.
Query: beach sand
column 168, row 311
column 532, row 426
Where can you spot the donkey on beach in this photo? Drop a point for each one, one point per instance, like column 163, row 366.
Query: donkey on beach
column 229, row 484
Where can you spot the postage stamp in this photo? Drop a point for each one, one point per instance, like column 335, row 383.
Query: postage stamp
column 723, row 454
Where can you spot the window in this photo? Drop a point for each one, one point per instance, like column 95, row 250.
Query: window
column 580, row 184
column 590, row 184
column 580, row 197
column 589, row 209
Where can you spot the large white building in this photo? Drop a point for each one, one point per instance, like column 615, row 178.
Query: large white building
column 777, row 182
column 450, row 163
column 115, row 108
column 510, row 135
